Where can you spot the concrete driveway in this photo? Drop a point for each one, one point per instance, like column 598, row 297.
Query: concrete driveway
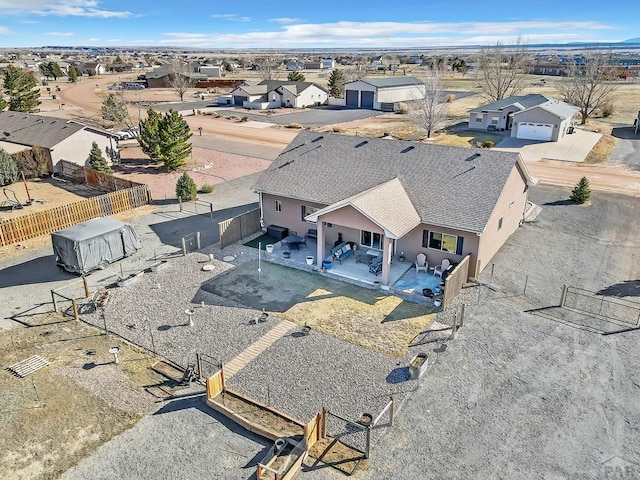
column 570, row 148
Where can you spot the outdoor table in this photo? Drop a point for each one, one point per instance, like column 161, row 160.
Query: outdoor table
column 292, row 241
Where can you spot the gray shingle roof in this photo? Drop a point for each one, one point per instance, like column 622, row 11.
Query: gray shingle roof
column 448, row 186
column 559, row 108
column 386, row 82
column 29, row 129
column 527, row 101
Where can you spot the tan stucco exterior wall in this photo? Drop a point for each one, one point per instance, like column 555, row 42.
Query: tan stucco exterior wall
column 510, row 207
column 77, row 147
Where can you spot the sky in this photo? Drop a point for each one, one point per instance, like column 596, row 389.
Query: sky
column 292, row 24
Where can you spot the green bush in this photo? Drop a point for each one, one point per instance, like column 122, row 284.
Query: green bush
column 488, row 144
column 186, row 188
column 244, row 119
column 8, row 169
column 581, row 192
column 206, row 188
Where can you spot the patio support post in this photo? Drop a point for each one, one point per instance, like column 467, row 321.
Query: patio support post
column 386, row 260
column 320, row 243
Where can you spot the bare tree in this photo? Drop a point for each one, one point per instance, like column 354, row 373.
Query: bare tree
column 268, row 65
column 503, row 70
column 180, row 77
column 589, row 83
column 430, row 112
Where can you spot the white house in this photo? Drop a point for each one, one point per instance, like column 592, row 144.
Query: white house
column 211, row 70
column 384, row 93
column 279, row 93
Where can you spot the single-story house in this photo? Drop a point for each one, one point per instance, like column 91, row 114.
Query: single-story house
column 210, row 70
column 279, row 93
column 61, row 137
column 384, row 93
column 531, row 117
column 393, row 196
column 162, row 78
column 91, row 68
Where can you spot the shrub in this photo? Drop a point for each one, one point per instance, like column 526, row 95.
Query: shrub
column 488, row 144
column 34, row 163
column 450, row 98
column 581, row 192
column 402, row 108
column 8, row 169
column 206, row 188
column 293, row 125
column 606, row 110
column 186, row 188
column 244, row 119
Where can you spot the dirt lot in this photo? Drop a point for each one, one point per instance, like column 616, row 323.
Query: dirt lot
column 57, row 415
column 383, row 323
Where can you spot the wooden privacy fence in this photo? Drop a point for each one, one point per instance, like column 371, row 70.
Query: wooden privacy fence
column 89, row 176
column 19, row 229
column 234, row 229
column 455, row 281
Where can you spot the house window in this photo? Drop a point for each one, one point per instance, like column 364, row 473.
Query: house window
column 444, row 242
column 478, row 119
column 494, row 120
column 370, row 239
column 500, row 224
column 308, row 211
column 279, row 206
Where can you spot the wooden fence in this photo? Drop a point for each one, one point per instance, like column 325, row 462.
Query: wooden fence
column 88, row 176
column 235, row 229
column 455, row 281
column 36, row 224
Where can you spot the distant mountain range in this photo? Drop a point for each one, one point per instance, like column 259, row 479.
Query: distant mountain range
column 632, row 40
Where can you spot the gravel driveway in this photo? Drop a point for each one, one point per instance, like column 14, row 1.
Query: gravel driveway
column 627, row 149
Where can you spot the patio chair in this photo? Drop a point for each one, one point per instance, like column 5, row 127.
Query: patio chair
column 421, row 263
column 440, row 269
column 376, row 266
column 312, row 233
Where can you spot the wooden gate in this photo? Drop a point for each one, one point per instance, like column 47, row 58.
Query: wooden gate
column 235, row 229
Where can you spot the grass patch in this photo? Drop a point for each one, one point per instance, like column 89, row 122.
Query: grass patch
column 601, row 150
column 469, row 138
column 383, row 323
column 264, row 239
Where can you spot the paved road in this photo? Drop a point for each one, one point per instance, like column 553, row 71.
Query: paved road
column 627, row 150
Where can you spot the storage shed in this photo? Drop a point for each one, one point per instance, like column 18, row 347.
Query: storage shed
column 383, row 93
column 94, row 244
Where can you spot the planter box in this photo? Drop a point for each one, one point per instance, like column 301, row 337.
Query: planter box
column 418, row 366
column 160, row 266
column 130, row 280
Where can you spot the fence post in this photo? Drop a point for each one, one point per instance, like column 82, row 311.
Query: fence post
column 55, row 303
column 86, row 286
column 199, row 364
column 198, row 239
column 180, row 202
column 392, row 410
column 367, row 448
column 526, row 281
column 184, row 247
column 493, row 265
column 75, row 309
column 462, row 311
column 211, row 210
column 563, row 297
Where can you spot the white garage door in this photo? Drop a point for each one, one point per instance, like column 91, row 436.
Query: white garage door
column 535, row 131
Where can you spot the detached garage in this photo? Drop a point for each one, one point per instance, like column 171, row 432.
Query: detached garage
column 383, row 93
column 548, row 122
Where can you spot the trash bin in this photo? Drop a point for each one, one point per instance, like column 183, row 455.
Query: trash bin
column 570, row 130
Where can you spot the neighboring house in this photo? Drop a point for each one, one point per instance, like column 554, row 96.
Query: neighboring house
column 394, row 196
column 549, row 68
column 279, row 93
column 384, row 93
column 92, row 68
column 162, row 78
column 64, row 139
column 531, row 117
column 329, row 63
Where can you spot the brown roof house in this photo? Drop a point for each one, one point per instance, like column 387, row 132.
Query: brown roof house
column 390, row 196
column 63, row 138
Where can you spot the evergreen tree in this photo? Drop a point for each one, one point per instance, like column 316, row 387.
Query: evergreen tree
column 149, row 138
column 20, row 87
column 51, row 69
column 73, row 75
column 336, row 83
column 295, row 76
column 113, row 109
column 3, row 103
column 97, row 160
column 8, row 169
column 186, row 188
column 581, row 193
column 174, row 135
